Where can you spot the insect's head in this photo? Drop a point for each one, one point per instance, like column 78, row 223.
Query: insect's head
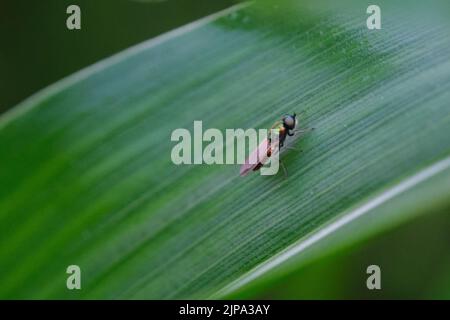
column 289, row 121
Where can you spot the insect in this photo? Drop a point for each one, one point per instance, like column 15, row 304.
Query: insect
column 285, row 127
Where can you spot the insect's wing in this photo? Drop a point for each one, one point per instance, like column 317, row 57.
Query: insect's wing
column 259, row 155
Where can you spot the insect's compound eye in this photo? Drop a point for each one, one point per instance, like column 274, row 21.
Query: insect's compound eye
column 289, row 121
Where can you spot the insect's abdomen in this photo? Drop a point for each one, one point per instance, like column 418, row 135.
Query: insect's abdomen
column 258, row 166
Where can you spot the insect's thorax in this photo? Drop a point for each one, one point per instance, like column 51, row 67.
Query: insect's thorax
column 282, row 132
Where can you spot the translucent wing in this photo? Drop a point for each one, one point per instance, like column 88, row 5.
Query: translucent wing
column 258, row 156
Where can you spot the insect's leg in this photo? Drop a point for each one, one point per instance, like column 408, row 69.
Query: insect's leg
column 284, row 169
column 304, row 130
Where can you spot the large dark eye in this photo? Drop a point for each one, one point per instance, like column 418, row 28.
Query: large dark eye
column 289, row 121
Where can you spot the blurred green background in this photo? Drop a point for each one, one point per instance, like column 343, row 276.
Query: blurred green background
column 37, row 50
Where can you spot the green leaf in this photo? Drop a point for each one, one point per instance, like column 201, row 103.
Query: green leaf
column 87, row 177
